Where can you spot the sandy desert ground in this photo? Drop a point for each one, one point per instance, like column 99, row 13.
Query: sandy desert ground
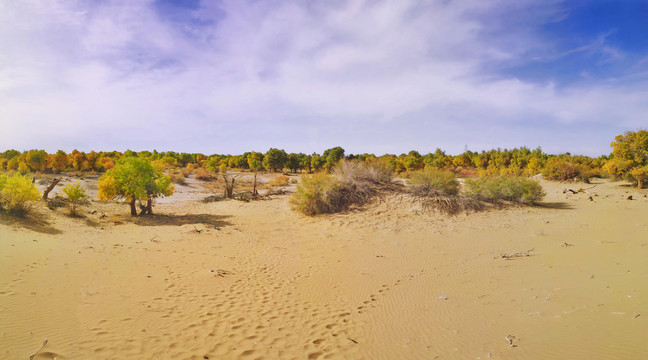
column 236, row 280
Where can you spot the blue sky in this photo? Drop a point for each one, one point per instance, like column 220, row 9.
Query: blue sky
column 371, row 76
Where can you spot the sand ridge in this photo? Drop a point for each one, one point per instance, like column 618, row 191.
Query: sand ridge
column 236, row 280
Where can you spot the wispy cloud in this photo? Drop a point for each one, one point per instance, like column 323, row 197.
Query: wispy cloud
column 230, row 76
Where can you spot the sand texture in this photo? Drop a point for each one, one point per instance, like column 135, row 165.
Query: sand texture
column 237, row 280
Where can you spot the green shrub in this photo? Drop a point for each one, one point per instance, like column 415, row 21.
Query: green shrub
column 498, row 188
column 317, row 194
column 16, row 192
column 433, row 182
column 75, row 196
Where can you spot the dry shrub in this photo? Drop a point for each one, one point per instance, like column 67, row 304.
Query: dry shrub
column 203, row 174
column 352, row 183
column 360, row 172
column 505, row 188
column 176, row 177
column 279, row 180
column 186, row 171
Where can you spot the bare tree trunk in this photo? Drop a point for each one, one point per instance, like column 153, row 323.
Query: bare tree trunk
column 254, row 191
column 50, row 188
column 132, row 207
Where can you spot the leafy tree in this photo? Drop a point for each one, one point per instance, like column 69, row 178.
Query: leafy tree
column 630, row 157
column 59, row 161
column 317, row 162
column 412, row 160
column 75, row 195
column 135, row 179
column 274, row 159
column 36, row 160
column 333, row 156
column 293, row 162
column 16, row 192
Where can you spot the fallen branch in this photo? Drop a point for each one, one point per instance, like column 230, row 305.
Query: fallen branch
column 31, row 357
column 50, row 188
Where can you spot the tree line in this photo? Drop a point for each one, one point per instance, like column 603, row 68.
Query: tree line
column 628, row 160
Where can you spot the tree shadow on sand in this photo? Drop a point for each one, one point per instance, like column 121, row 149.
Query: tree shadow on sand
column 213, row 221
column 34, row 221
column 560, row 205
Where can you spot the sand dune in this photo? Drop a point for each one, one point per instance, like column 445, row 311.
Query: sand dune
column 236, row 280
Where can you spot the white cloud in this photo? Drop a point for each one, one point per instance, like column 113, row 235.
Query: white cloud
column 259, row 74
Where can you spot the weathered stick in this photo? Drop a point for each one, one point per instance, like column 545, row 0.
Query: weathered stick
column 31, row 357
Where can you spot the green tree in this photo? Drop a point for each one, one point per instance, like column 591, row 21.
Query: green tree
column 333, row 156
column 135, row 179
column 293, row 162
column 274, row 159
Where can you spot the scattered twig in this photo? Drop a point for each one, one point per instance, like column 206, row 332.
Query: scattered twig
column 198, row 231
column 516, row 255
column 353, row 341
column 153, row 239
column 31, row 357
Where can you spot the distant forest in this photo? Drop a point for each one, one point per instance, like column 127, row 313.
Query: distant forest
column 629, row 159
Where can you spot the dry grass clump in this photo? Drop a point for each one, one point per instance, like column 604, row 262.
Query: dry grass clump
column 279, row 180
column 505, row 188
column 451, row 204
column 352, row 183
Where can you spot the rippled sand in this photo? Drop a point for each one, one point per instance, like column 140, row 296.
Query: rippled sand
column 235, row 280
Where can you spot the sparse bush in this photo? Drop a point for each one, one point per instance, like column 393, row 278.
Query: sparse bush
column 75, row 196
column 16, row 192
column 279, row 180
column 498, row 188
column 317, row 194
column 433, row 182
